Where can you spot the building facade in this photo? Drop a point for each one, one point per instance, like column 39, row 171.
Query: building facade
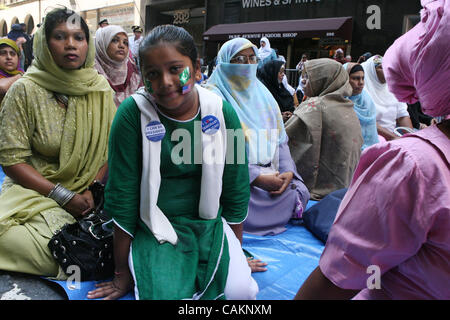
column 189, row 14
column 294, row 27
column 315, row 27
column 31, row 12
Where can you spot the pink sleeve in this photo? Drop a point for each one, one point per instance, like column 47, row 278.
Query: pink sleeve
column 379, row 221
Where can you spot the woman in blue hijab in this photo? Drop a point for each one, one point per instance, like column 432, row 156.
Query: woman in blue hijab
column 277, row 190
column 362, row 103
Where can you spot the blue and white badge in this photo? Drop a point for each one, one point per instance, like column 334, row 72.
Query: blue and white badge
column 210, row 125
column 155, row 131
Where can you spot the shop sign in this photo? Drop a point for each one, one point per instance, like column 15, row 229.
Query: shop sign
column 181, row 16
column 247, row 4
column 331, row 41
column 281, row 35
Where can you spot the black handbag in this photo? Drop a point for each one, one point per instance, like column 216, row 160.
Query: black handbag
column 87, row 243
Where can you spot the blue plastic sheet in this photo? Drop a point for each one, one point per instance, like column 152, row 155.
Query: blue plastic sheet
column 291, row 257
column 79, row 291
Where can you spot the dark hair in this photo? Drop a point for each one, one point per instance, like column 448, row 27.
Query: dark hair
column 356, row 68
column 4, row 45
column 170, row 34
column 60, row 15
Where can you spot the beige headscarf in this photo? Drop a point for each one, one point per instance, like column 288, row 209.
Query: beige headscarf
column 324, row 133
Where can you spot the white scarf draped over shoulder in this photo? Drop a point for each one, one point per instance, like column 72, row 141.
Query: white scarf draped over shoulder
column 379, row 92
column 213, row 160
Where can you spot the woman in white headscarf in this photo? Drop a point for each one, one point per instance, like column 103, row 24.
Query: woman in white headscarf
column 390, row 112
column 265, row 52
column 112, row 60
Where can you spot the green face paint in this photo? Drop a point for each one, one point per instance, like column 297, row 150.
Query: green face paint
column 185, row 76
column 148, row 86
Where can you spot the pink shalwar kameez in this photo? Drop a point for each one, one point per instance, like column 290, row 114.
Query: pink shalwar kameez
column 401, row 226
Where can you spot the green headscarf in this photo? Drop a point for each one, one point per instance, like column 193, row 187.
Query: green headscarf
column 47, row 74
column 84, row 143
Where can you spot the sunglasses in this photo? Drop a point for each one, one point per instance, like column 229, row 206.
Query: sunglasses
column 245, row 59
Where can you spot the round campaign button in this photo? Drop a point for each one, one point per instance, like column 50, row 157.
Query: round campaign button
column 210, row 124
column 155, row 131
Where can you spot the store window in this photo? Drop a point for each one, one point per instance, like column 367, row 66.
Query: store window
column 191, row 19
column 91, row 20
column 14, row 1
column 29, row 21
column 3, row 28
column 119, row 15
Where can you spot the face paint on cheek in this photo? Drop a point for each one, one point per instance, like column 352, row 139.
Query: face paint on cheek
column 148, row 86
column 185, row 76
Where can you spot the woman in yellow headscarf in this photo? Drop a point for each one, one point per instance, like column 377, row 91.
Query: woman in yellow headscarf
column 9, row 65
column 54, row 128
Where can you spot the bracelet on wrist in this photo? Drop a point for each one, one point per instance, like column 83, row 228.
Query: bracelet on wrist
column 61, row 195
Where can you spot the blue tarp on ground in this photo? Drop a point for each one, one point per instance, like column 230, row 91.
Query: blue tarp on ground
column 79, row 291
column 291, row 257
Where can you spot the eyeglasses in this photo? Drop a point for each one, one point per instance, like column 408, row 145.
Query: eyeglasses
column 245, row 59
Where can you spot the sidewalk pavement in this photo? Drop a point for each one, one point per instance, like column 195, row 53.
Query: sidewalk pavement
column 19, row 286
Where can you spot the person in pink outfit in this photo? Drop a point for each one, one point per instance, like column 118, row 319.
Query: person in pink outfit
column 390, row 238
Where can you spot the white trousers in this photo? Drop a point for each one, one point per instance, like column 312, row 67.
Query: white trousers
column 240, row 284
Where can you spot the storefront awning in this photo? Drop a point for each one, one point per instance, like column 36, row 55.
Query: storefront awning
column 285, row 29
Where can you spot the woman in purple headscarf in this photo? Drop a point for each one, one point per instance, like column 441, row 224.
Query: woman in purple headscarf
column 390, row 239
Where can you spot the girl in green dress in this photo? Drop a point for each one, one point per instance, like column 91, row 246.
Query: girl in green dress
column 174, row 192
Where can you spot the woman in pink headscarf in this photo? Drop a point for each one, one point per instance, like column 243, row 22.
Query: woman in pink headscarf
column 112, row 60
column 390, row 238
